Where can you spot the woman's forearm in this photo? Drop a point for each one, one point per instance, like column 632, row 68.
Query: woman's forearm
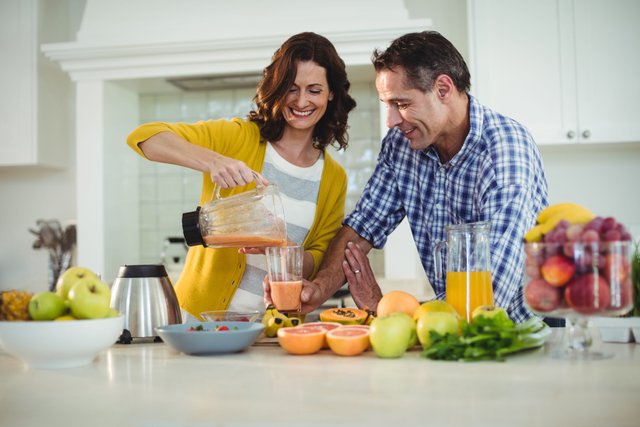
column 167, row 147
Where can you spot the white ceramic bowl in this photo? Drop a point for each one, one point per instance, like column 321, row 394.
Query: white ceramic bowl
column 62, row 344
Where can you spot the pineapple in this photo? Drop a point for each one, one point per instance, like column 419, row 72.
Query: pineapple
column 14, row 305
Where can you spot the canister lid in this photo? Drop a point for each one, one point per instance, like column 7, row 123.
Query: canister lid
column 142, row 270
column 191, row 228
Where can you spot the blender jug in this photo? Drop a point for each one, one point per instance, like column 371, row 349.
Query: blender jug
column 254, row 218
column 468, row 281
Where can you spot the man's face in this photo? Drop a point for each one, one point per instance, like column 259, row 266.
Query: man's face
column 420, row 116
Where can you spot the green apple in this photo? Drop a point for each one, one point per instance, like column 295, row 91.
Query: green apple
column 497, row 314
column 69, row 278
column 438, row 321
column 391, row 335
column 90, row 298
column 113, row 312
column 46, row 306
column 433, row 305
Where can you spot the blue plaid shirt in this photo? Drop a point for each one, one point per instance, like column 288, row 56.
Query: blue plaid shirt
column 497, row 176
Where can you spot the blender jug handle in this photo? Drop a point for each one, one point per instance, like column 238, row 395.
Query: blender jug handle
column 216, row 188
column 437, row 257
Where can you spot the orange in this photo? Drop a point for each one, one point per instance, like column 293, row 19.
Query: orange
column 348, row 340
column 397, row 301
column 301, row 339
column 327, row 326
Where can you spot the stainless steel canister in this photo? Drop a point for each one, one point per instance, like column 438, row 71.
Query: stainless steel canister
column 145, row 296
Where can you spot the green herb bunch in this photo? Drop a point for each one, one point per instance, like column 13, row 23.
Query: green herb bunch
column 488, row 338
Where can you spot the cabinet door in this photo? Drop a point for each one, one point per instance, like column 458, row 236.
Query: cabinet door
column 17, row 113
column 518, row 68
column 608, row 69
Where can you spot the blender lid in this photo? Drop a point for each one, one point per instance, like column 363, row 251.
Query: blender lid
column 191, row 228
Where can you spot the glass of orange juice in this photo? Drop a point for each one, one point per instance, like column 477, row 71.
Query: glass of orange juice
column 284, row 270
column 468, row 266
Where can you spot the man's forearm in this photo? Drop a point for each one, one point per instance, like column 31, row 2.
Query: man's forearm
column 330, row 276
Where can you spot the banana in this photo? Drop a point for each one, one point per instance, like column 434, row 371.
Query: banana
column 561, row 209
column 574, row 216
column 534, row 234
column 549, row 217
column 272, row 326
column 553, row 210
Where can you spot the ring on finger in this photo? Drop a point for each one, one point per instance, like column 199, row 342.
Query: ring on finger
column 356, row 271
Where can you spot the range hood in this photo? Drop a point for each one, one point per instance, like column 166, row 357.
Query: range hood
column 120, row 41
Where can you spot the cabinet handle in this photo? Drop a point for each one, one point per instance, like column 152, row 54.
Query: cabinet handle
column 586, row 134
column 571, row 134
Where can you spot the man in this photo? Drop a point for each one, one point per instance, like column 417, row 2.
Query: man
column 446, row 159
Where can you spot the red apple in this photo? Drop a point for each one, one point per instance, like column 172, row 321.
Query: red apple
column 541, row 296
column 588, row 294
column 557, row 270
column 616, row 268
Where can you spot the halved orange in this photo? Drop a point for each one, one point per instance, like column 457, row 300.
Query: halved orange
column 301, row 339
column 348, row 340
column 327, row 326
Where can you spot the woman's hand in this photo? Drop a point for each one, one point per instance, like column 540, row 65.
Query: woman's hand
column 228, row 173
column 362, row 283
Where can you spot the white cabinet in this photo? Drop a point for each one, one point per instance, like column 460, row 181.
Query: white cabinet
column 35, row 113
column 566, row 69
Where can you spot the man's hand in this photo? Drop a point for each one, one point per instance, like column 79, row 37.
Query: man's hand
column 362, row 283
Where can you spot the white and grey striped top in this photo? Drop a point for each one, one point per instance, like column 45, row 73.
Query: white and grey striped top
column 298, row 188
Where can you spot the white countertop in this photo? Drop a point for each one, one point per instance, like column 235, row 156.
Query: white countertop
column 148, row 384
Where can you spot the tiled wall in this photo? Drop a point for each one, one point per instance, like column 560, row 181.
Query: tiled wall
column 166, row 191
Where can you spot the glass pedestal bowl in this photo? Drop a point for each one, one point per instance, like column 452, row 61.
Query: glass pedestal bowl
column 575, row 280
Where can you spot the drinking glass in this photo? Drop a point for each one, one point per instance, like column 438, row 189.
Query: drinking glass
column 284, row 270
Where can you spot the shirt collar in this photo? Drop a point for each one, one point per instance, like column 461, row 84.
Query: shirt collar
column 472, row 139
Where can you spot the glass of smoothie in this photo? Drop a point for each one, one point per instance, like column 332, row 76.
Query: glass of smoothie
column 284, row 270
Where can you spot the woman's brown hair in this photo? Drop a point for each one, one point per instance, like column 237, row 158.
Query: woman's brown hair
column 279, row 76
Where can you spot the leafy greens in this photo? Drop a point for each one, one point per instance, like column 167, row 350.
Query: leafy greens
column 487, row 338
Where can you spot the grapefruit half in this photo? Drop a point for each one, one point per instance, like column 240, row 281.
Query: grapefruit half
column 301, row 339
column 348, row 340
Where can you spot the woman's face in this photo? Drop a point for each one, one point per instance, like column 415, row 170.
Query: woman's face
column 307, row 100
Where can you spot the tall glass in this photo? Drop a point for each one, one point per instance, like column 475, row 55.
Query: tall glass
column 468, row 283
column 284, row 270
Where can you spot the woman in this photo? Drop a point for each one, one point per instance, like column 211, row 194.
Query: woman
column 302, row 106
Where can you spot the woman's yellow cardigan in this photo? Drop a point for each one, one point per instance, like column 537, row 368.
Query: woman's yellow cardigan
column 211, row 276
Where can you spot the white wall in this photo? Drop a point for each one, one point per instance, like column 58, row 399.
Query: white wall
column 30, row 193
column 603, row 178
column 26, row 195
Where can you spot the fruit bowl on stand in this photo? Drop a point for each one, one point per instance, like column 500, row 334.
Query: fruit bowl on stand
column 579, row 271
